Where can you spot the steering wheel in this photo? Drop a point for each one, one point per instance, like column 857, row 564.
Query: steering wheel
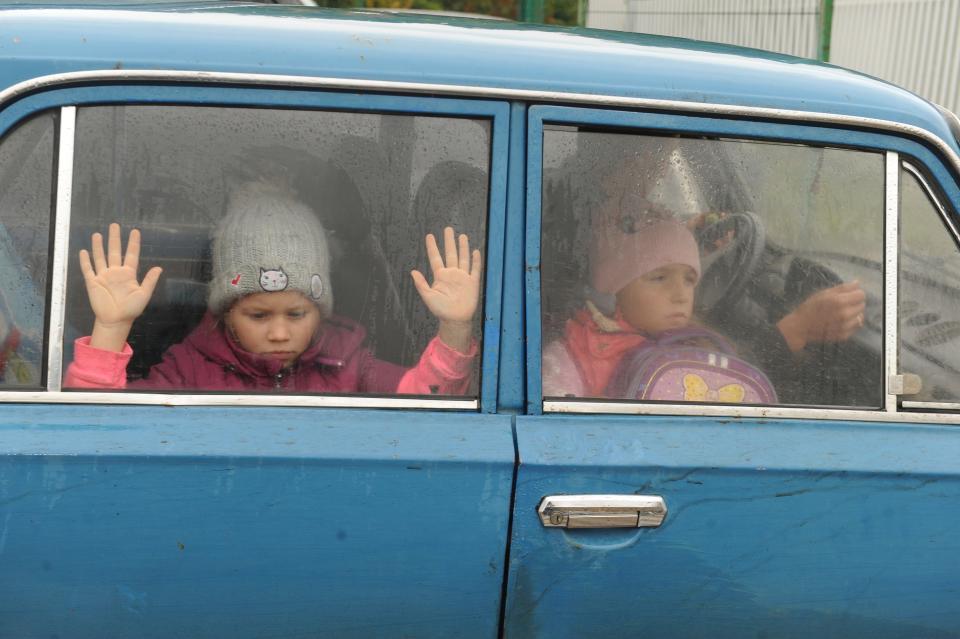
column 730, row 251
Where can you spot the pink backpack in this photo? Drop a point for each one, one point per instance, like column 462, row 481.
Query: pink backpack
column 690, row 364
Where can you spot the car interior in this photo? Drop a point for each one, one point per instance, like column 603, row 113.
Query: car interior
column 354, row 185
column 747, row 284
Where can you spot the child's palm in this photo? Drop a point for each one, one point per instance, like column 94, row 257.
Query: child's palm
column 115, row 294
column 455, row 292
column 453, row 296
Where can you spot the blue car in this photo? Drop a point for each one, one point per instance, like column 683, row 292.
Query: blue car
column 711, row 387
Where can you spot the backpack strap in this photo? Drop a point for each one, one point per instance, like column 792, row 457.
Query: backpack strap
column 693, row 333
column 619, row 382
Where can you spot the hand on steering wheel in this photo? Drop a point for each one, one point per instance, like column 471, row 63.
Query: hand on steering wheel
column 830, row 315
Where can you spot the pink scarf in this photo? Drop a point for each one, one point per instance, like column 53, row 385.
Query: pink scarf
column 597, row 343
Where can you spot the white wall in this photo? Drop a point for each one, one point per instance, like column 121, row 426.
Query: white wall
column 787, row 26
column 912, row 43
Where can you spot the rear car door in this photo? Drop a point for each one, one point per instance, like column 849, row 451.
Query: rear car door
column 829, row 513
column 217, row 512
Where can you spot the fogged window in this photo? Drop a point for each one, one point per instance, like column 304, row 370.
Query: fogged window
column 377, row 184
column 710, row 270
column 26, row 178
column 929, row 295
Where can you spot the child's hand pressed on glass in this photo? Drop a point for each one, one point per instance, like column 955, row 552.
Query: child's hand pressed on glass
column 116, row 297
column 455, row 293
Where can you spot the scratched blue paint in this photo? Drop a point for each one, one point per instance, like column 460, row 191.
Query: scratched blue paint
column 512, row 349
column 531, row 260
column 495, row 252
column 775, row 528
column 233, row 522
column 787, row 445
column 300, row 522
column 255, row 522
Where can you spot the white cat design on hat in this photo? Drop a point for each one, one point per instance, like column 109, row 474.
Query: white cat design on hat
column 273, row 280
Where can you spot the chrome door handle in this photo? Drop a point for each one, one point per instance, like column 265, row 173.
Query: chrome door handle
column 602, row 511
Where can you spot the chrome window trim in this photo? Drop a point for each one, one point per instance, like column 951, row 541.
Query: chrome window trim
column 941, row 209
column 951, row 225
column 951, row 118
column 187, row 399
column 454, row 90
column 55, row 366
column 61, row 247
column 891, row 278
column 931, row 405
column 280, row 81
column 738, row 412
column 887, row 413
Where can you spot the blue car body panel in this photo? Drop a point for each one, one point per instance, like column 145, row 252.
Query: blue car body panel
column 306, row 529
column 786, row 528
column 774, row 528
column 251, row 522
column 160, row 521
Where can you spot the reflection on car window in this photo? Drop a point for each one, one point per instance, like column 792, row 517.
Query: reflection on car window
column 929, row 298
column 710, row 270
column 286, row 241
column 26, row 186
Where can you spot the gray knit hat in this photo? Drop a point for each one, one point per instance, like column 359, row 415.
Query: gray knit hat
column 268, row 241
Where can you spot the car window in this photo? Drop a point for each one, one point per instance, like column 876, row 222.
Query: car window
column 187, row 177
column 929, row 293
column 26, row 205
column 784, row 247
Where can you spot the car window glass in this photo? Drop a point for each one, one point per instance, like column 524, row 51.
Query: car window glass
column 26, row 204
column 788, row 243
column 377, row 183
column 929, row 295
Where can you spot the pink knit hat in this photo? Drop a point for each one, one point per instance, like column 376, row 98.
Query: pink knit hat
column 624, row 247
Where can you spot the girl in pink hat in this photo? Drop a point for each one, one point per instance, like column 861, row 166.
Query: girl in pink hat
column 652, row 269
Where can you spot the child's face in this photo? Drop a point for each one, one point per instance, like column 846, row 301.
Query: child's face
column 278, row 326
column 660, row 299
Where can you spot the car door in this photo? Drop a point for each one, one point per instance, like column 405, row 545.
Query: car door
column 827, row 514
column 204, row 512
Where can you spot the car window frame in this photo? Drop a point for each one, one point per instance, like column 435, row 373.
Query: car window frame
column 196, row 90
column 951, row 223
column 683, row 122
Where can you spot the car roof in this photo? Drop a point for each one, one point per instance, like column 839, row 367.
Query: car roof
column 42, row 38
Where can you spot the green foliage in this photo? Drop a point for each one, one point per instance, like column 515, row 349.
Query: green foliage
column 560, row 12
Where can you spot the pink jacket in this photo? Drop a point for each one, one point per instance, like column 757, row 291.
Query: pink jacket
column 338, row 363
column 581, row 363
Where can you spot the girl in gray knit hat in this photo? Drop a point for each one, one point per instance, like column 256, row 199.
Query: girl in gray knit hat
column 269, row 323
